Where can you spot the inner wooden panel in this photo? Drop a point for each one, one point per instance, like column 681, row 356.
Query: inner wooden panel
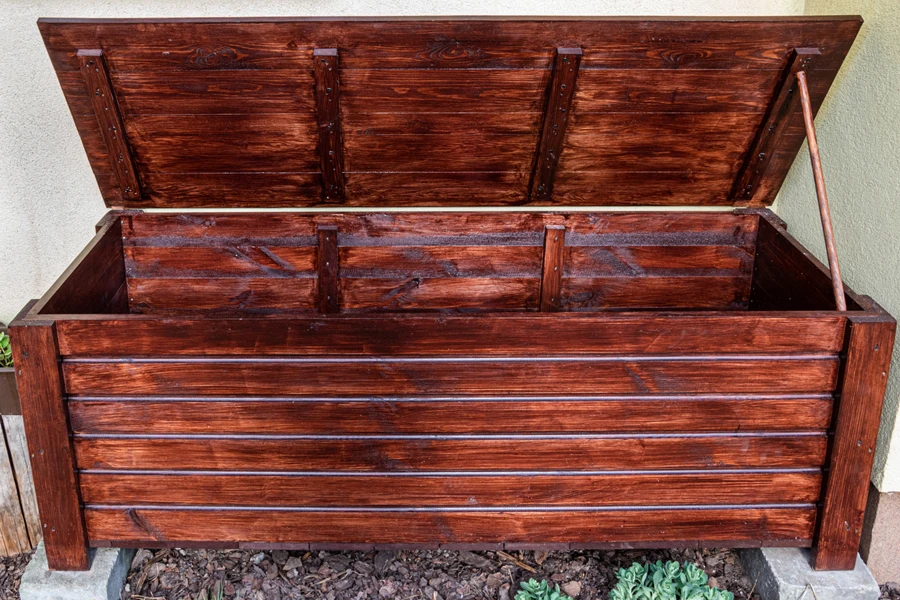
column 438, row 261
column 439, row 112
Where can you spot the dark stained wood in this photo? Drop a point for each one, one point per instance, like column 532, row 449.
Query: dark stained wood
column 247, row 295
column 553, row 266
column 784, row 103
column 550, row 414
column 328, row 115
column 100, row 90
column 852, row 453
column 452, row 453
column 471, row 82
column 95, row 282
column 559, row 334
column 572, row 489
column 328, row 269
column 52, row 457
column 610, row 375
column 786, row 525
column 556, row 116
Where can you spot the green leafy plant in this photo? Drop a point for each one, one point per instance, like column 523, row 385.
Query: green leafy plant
column 534, row 590
column 669, row 581
column 5, row 351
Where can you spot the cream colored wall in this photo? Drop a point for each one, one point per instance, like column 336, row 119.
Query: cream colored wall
column 48, row 197
column 859, row 139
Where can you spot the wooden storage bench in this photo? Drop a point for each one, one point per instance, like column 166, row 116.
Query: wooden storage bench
column 533, row 376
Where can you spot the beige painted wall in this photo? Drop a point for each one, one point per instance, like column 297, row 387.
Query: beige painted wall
column 859, row 138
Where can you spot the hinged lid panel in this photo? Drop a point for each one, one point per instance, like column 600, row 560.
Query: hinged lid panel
column 473, row 112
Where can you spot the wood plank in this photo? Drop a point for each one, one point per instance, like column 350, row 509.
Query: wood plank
column 234, row 190
column 453, row 335
column 398, row 377
column 550, row 414
column 250, row 295
column 634, row 489
column 92, row 281
column 145, row 262
column 13, row 531
column 553, row 266
column 691, row 293
column 556, row 117
column 14, row 427
column 647, row 261
column 328, row 115
column 430, row 293
column 401, row 262
column 99, row 89
column 768, row 137
column 328, row 292
column 460, row 453
column 786, row 525
column 52, row 456
column 852, row 452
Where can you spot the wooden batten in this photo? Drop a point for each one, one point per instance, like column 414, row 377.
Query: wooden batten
column 556, row 116
column 551, row 275
column 99, row 88
column 328, row 114
column 328, row 289
column 785, row 103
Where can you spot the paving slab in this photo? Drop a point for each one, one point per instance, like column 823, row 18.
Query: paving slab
column 785, row 574
column 104, row 580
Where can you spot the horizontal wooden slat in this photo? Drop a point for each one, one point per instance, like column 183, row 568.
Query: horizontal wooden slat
column 439, row 152
column 237, row 293
column 637, row 261
column 454, row 335
column 145, row 262
column 456, row 376
column 634, row 489
column 430, row 123
column 640, row 187
column 423, row 293
column 781, row 526
column 691, row 293
column 652, row 414
column 210, row 143
column 442, row 453
column 256, row 190
column 436, row 261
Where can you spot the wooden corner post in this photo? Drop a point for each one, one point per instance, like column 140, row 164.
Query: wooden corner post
column 40, row 383
column 855, row 427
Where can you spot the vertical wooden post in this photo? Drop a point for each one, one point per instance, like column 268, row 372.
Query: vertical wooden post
column 551, row 279
column 553, row 130
column 41, row 391
column 328, row 113
column 857, row 411
column 328, row 270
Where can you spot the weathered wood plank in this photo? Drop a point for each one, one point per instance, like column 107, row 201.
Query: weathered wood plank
column 13, row 531
column 328, row 289
column 18, row 451
column 328, row 115
column 449, row 453
column 553, row 266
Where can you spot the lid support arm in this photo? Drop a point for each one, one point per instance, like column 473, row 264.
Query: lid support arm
column 821, row 194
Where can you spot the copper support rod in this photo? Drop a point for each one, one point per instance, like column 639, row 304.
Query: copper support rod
column 821, row 194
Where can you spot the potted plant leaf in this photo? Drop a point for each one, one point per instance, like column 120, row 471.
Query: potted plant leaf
column 9, row 397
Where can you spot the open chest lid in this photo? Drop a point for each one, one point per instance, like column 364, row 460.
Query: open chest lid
column 375, row 112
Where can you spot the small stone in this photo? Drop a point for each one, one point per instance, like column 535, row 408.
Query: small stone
column 294, row 562
column 472, row 559
column 387, row 590
column 142, row 555
column 540, row 556
column 280, row 556
column 343, row 584
column 258, row 558
column 572, row 588
column 713, row 582
column 503, row 592
column 557, row 577
column 381, row 561
column 364, row 568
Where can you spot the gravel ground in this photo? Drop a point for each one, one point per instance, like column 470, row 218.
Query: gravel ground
column 429, row 575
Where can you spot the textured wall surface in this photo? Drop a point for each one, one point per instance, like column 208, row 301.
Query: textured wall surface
column 859, row 138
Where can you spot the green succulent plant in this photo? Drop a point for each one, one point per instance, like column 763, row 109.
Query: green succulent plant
column 665, row 581
column 5, row 351
column 534, row 590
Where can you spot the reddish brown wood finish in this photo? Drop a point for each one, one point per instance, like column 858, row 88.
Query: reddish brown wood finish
column 552, row 272
column 442, row 112
column 52, row 456
column 328, row 269
column 864, row 379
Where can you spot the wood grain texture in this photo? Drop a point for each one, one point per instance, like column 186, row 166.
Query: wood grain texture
column 864, row 379
column 572, row 489
column 404, row 81
column 561, row 334
column 328, row 290
column 352, row 377
column 52, row 455
column 553, row 267
column 786, row 526
column 14, row 427
column 328, row 117
column 13, row 530
column 460, row 453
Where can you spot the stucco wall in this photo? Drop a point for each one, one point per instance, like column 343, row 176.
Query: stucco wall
column 859, row 139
